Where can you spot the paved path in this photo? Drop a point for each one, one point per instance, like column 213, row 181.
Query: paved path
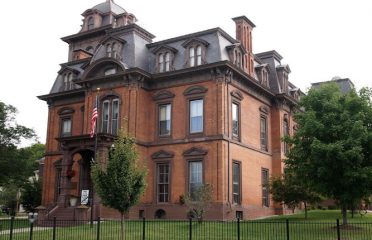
column 24, row 230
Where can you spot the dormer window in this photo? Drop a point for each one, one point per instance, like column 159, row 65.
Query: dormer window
column 195, row 52
column 195, row 56
column 238, row 61
column 237, row 55
column 164, row 62
column 164, row 58
column 90, row 24
column 67, row 82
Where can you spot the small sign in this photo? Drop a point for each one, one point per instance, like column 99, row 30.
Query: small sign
column 84, row 197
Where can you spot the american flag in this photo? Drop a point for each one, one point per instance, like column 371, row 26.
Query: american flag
column 93, row 120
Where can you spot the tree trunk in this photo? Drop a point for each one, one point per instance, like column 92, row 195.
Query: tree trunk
column 344, row 215
column 122, row 237
column 305, row 204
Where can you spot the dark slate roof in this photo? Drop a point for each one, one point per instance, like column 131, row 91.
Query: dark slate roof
column 345, row 84
column 109, row 6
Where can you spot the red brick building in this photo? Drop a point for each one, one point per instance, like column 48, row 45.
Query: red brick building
column 203, row 109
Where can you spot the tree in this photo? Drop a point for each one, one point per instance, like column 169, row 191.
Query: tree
column 122, row 183
column 332, row 146
column 292, row 191
column 10, row 135
column 31, row 194
column 8, row 198
column 200, row 201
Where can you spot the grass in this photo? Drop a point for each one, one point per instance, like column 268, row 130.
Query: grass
column 321, row 225
column 18, row 223
column 324, row 216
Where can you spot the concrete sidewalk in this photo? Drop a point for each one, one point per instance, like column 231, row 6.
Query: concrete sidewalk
column 24, row 230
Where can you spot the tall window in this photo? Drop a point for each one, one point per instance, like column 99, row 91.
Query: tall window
column 163, row 182
column 165, row 120
column 105, row 116
column 195, row 177
column 66, row 127
column 90, row 23
column 265, row 188
column 196, row 116
column 70, row 82
column 198, row 55
column 108, row 50
column 161, row 62
column 285, row 133
column 110, row 116
column 58, row 183
column 263, row 133
column 192, row 56
column 167, row 62
column 235, row 120
column 115, row 116
column 236, row 183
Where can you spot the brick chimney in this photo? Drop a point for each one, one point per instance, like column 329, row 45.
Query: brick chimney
column 244, row 28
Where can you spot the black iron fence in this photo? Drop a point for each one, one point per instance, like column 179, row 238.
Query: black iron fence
column 21, row 229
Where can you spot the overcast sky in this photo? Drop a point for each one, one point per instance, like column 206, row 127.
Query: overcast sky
column 319, row 39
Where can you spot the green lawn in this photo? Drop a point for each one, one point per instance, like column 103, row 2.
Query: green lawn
column 324, row 215
column 18, row 223
column 321, row 225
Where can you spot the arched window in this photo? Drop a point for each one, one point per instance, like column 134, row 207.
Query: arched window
column 90, row 23
column 110, row 116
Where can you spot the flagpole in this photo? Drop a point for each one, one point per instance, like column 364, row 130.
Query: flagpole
column 95, row 157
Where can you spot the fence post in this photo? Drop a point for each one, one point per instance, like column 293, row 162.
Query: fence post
column 287, row 228
column 238, row 228
column 98, row 226
column 143, row 228
column 31, row 230
column 54, row 227
column 338, row 229
column 11, row 228
column 190, row 228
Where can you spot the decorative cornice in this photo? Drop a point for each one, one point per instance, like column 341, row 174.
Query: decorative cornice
column 194, row 40
column 195, row 151
column 162, row 154
column 163, row 94
column 195, row 90
column 237, row 94
column 65, row 111
column 164, row 47
column 264, row 109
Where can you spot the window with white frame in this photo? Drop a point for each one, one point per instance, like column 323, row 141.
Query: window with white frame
column 66, row 127
column 195, row 177
column 165, row 119
column 236, row 183
column 196, row 116
column 162, row 182
column 110, row 116
column 235, row 120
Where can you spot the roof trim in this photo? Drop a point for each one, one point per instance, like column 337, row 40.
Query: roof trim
column 194, row 35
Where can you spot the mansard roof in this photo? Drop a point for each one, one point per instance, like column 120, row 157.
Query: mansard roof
column 107, row 7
